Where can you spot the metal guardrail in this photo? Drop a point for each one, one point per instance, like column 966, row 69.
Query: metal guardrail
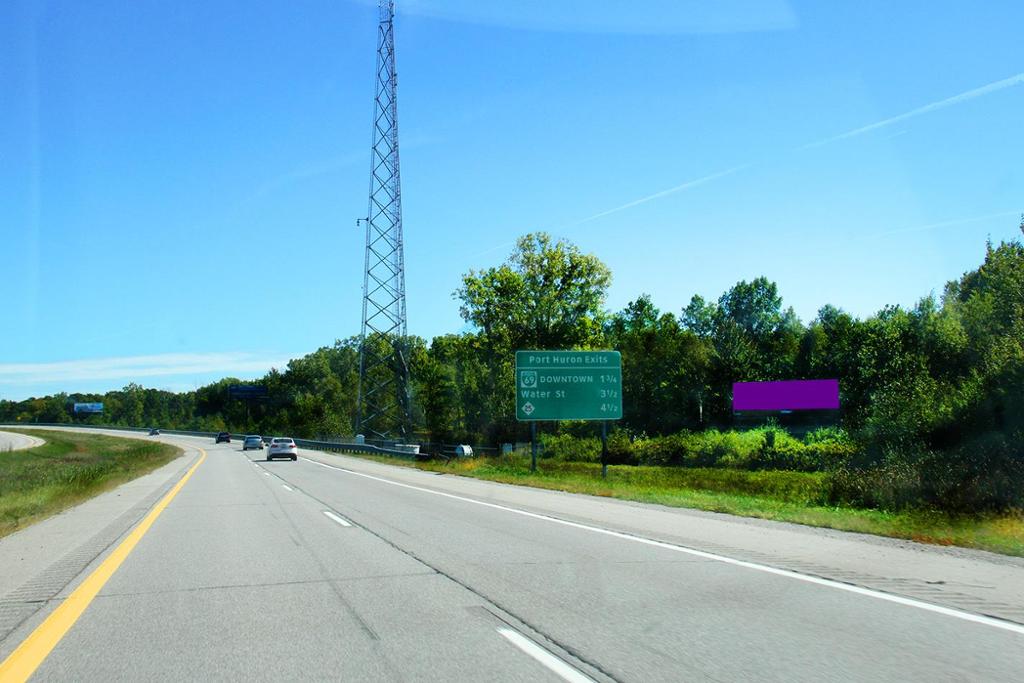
column 354, row 448
column 332, row 446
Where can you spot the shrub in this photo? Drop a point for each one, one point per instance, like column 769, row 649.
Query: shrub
column 828, row 456
column 620, row 449
column 984, row 475
column 890, row 486
column 569, row 448
column 765, row 448
column 661, row 450
column 827, row 435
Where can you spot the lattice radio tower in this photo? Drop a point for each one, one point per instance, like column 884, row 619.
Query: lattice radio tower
column 383, row 408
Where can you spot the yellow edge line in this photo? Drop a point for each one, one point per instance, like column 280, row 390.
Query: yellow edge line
column 23, row 662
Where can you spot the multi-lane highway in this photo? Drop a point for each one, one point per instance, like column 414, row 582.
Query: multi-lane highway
column 343, row 569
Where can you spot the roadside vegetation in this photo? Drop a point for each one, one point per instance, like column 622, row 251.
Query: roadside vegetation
column 796, row 497
column 69, row 468
column 931, row 425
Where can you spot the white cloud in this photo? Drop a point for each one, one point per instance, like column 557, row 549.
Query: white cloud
column 132, row 368
column 654, row 17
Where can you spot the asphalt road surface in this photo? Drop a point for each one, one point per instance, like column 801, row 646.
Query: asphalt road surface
column 342, row 569
column 10, row 441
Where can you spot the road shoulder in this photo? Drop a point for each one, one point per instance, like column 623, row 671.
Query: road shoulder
column 12, row 441
column 974, row 581
column 42, row 559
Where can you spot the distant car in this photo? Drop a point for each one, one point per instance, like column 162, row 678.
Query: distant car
column 223, row 436
column 282, row 448
column 154, row 432
column 252, row 442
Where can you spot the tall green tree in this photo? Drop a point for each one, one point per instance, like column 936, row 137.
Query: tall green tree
column 664, row 368
column 443, row 388
column 751, row 337
column 548, row 295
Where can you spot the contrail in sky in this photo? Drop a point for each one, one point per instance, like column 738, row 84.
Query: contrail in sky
column 643, row 200
column 928, row 108
column 657, row 195
column 934, row 106
column 944, row 224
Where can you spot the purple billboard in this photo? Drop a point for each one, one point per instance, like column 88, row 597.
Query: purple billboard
column 798, row 394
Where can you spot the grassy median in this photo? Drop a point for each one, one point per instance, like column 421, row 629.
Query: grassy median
column 779, row 495
column 68, row 469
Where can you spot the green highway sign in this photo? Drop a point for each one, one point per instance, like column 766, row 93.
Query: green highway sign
column 568, row 385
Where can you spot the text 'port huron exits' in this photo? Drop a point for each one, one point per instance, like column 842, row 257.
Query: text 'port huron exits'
column 568, row 385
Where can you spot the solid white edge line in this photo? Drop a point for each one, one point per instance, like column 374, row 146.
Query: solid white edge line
column 340, row 520
column 287, row 487
column 868, row 592
column 553, row 663
column 267, row 474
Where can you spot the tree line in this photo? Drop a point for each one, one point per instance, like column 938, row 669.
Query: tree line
column 935, row 387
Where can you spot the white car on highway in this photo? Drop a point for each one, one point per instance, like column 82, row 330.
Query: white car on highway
column 281, row 447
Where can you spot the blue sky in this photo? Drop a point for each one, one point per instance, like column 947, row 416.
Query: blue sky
column 170, row 171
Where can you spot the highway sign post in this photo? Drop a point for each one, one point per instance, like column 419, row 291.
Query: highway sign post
column 247, row 393
column 568, row 385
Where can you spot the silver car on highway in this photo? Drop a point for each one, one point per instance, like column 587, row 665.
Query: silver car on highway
column 282, row 447
column 252, row 441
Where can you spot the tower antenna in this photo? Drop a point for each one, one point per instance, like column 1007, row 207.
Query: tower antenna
column 383, row 404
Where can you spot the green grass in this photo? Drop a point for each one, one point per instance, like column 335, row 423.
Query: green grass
column 68, row 469
column 797, row 497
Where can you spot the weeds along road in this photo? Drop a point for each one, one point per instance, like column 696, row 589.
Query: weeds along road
column 334, row 567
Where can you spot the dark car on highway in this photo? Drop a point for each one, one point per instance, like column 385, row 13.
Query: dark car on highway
column 223, row 436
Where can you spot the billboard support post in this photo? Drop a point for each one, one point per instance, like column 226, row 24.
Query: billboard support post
column 604, row 449
column 568, row 385
column 533, row 446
